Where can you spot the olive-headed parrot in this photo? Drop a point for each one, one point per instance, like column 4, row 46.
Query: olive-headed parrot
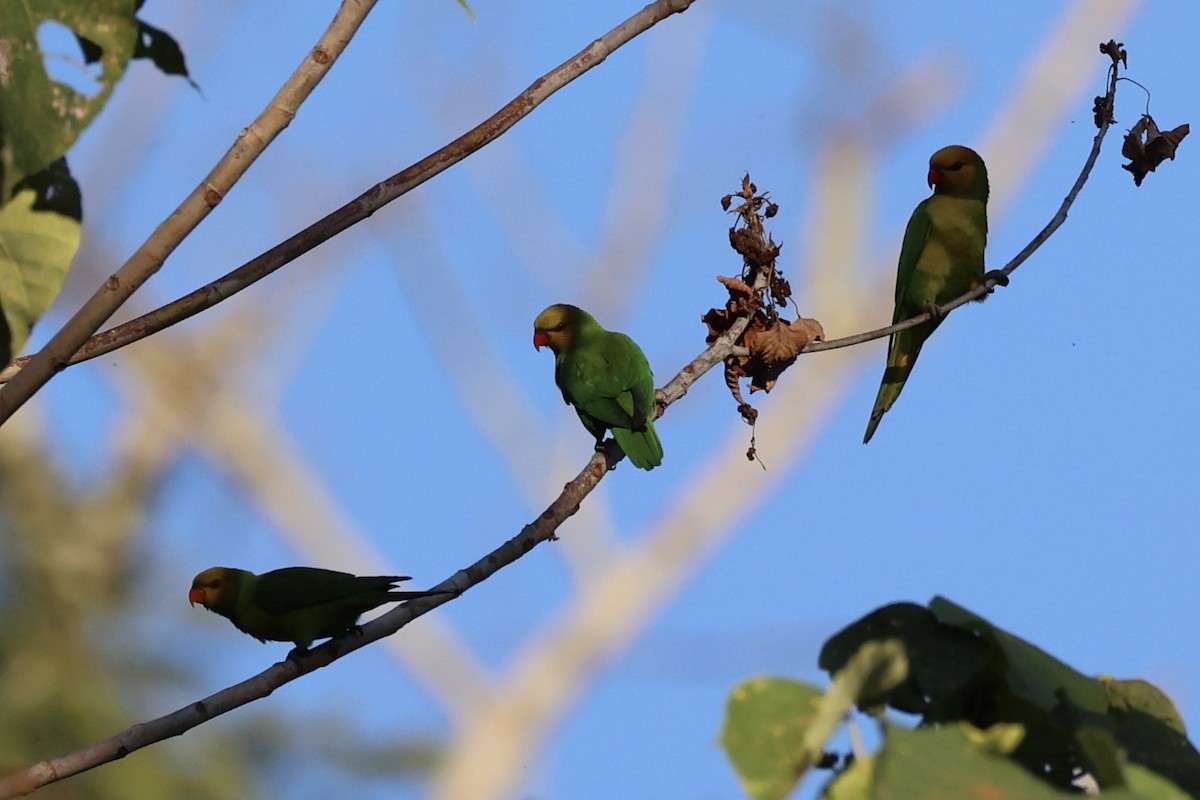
column 295, row 604
column 606, row 377
column 941, row 258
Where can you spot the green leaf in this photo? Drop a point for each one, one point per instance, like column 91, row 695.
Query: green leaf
column 1138, row 695
column 944, row 660
column 946, row 763
column 1143, row 784
column 1031, row 673
column 765, row 723
column 41, row 118
column 854, row 782
column 1151, row 730
column 873, row 671
column 39, row 234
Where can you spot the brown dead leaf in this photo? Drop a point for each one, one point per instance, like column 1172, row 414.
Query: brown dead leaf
column 785, row 340
column 756, row 298
column 1116, row 51
column 752, row 248
column 781, row 290
column 1167, row 143
column 732, row 377
column 1146, row 147
column 736, row 287
column 774, row 347
column 1102, row 110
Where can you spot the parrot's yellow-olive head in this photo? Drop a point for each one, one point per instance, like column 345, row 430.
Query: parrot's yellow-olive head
column 954, row 169
column 556, row 327
column 215, row 588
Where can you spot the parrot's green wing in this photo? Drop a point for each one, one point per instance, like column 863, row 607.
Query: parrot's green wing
column 915, row 237
column 904, row 346
column 608, row 378
column 941, row 257
column 292, row 588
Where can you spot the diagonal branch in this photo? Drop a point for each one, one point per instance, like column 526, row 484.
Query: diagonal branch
column 148, row 258
column 190, row 716
column 64, row 350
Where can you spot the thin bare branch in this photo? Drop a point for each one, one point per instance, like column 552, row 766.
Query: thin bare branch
column 1020, row 258
column 149, row 258
column 237, row 280
column 67, row 348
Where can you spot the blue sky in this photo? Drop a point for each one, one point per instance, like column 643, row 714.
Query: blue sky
column 1039, row 468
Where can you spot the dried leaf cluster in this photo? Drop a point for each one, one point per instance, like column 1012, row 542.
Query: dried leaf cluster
column 1146, row 146
column 1103, row 108
column 761, row 292
column 1116, row 51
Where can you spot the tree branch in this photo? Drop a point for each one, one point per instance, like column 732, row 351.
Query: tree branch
column 542, row 529
column 148, row 258
column 1020, row 258
column 64, row 350
column 284, row 672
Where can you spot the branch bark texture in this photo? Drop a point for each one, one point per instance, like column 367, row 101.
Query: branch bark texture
column 149, row 258
column 69, row 347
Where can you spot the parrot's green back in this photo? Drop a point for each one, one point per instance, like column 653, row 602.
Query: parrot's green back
column 302, row 604
column 608, row 380
column 941, row 258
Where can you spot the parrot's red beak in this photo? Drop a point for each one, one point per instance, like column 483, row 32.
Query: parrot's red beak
column 540, row 339
column 935, row 177
column 196, row 595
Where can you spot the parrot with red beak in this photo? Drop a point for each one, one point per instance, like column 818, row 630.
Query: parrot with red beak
column 295, row 604
column 941, row 258
column 606, row 377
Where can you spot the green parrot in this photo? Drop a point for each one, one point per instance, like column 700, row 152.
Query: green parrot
column 605, row 375
column 941, row 258
column 294, row 604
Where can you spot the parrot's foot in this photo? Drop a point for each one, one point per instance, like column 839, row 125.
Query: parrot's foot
column 297, row 653
column 611, row 450
column 935, row 312
column 996, row 275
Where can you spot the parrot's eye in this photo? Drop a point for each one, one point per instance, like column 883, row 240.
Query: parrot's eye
column 956, row 166
column 560, row 326
column 215, row 584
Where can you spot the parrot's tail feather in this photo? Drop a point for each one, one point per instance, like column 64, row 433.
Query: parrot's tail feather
column 642, row 447
column 393, row 596
column 901, row 358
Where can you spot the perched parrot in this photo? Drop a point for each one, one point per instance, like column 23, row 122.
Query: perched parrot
column 294, row 604
column 941, row 258
column 605, row 375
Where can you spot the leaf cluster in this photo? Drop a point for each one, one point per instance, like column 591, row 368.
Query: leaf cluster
column 1146, row 146
column 997, row 717
column 761, row 292
column 40, row 120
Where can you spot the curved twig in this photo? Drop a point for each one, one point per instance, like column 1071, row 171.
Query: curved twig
column 251, row 142
column 986, row 287
column 58, row 355
column 1020, row 258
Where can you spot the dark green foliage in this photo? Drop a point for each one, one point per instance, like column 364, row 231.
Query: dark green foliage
column 999, row 717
